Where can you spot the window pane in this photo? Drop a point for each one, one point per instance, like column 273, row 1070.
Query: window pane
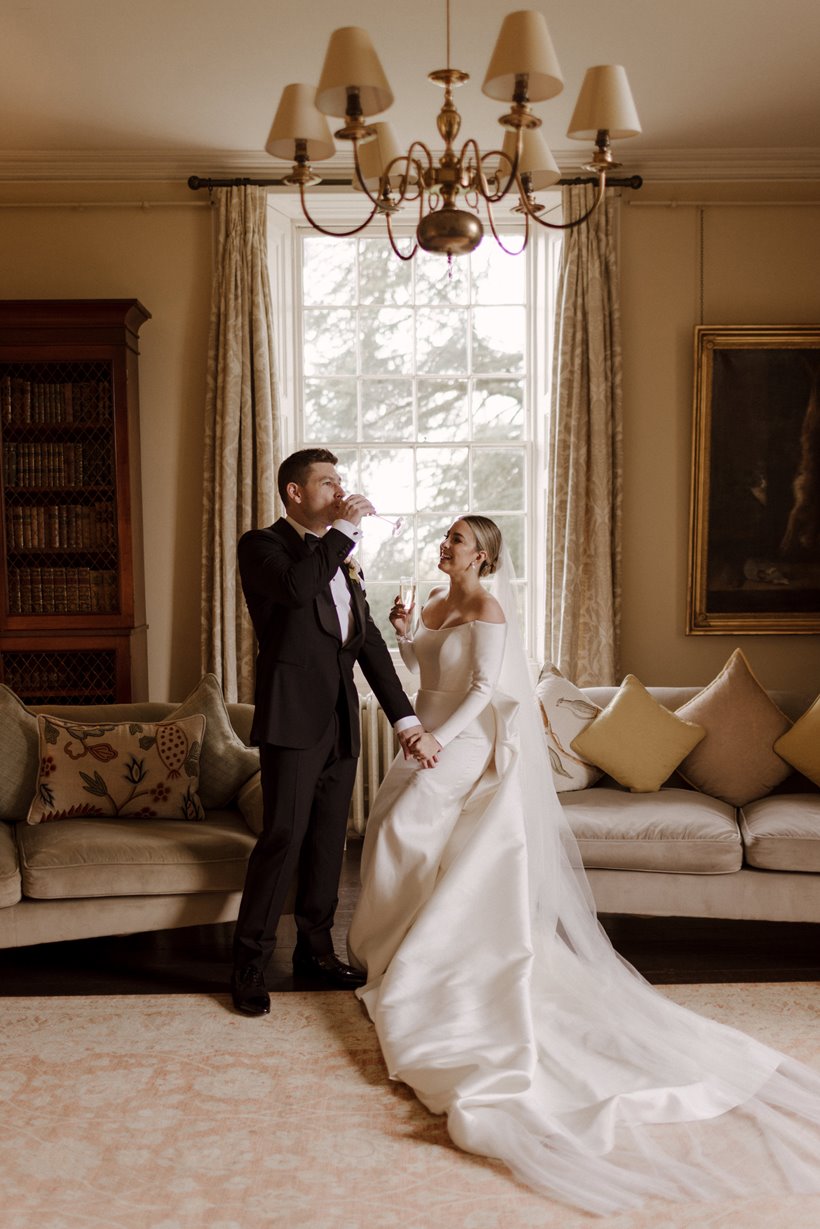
column 348, row 467
column 442, row 479
column 430, row 533
column 498, row 278
column 442, row 410
column 440, row 282
column 380, row 598
column 498, row 479
column 387, row 479
column 499, row 336
column 387, row 409
column 441, row 340
column 329, row 346
column 330, row 410
column 329, row 271
column 385, row 556
column 383, row 278
column 498, row 409
column 386, row 340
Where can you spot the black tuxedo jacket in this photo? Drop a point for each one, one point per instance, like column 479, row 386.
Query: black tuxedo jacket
column 302, row 663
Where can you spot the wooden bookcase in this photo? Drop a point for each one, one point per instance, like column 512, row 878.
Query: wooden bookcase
column 72, row 591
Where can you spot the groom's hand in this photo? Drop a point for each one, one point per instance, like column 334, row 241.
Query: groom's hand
column 353, row 507
column 407, row 738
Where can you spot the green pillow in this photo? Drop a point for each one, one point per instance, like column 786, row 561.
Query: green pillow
column 226, row 763
column 19, row 756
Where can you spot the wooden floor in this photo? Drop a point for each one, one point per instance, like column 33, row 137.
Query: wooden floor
column 197, row 960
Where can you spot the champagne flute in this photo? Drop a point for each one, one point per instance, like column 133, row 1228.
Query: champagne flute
column 407, row 587
column 396, row 524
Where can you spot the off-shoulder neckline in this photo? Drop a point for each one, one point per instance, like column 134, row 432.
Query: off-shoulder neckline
column 466, row 623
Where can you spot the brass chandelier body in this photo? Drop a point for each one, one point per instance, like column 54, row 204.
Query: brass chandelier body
column 523, row 69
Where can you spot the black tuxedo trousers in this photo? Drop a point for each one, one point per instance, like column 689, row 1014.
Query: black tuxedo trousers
column 306, row 723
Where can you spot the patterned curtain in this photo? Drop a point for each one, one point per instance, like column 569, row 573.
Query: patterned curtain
column 584, row 458
column 241, row 430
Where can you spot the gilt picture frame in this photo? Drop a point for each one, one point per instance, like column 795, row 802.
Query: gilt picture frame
column 754, row 542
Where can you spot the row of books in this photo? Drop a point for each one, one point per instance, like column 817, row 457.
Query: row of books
column 56, row 465
column 62, row 591
column 54, row 401
column 35, row 683
column 61, row 526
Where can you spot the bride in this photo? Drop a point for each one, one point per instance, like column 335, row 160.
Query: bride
column 494, row 991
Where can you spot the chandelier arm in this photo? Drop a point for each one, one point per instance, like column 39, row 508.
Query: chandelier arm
column 497, row 237
column 493, row 197
column 401, row 255
column 565, row 225
column 334, row 234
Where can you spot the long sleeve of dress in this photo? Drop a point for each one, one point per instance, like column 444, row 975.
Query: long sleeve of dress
column 408, row 653
column 487, row 654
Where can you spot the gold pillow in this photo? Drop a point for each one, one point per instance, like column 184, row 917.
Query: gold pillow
column 736, row 760
column 636, row 740
column 800, row 746
column 124, row 770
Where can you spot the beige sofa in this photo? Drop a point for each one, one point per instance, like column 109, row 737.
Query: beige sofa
column 681, row 853
column 82, row 877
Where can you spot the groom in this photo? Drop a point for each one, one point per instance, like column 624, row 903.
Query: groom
column 312, row 624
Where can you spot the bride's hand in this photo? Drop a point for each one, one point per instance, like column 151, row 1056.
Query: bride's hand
column 425, row 749
column 399, row 615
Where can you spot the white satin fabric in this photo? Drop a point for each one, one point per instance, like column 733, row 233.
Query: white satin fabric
column 544, row 1049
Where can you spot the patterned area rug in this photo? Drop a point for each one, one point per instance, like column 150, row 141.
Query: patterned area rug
column 153, row 1113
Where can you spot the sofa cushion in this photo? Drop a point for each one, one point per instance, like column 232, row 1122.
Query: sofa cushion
column 800, row 746
column 565, row 712
column 134, row 857
column 10, row 889
column 226, row 763
column 19, row 756
column 736, row 760
column 636, row 740
column 782, row 833
column 131, row 769
column 673, row 830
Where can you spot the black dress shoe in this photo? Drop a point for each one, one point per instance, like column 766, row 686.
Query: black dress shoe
column 328, row 968
column 248, row 991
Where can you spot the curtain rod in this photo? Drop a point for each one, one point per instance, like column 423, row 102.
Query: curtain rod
column 195, row 182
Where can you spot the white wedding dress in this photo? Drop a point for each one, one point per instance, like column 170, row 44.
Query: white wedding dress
column 497, row 997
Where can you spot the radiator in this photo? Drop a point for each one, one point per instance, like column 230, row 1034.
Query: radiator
column 379, row 746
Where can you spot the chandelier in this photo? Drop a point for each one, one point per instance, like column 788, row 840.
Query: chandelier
column 523, row 70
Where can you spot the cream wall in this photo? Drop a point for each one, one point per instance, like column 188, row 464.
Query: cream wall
column 761, row 258
column 760, row 267
column 161, row 255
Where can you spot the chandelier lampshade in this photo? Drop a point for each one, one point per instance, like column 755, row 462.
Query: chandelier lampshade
column 524, row 57
column 297, row 120
column 604, row 103
column 352, row 68
column 536, row 159
column 375, row 157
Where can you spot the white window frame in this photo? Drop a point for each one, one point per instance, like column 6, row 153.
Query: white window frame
column 286, row 226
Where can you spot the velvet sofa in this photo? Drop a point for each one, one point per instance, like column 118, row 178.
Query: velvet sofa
column 682, row 851
column 78, row 877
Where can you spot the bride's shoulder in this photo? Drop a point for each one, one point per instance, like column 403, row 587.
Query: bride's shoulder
column 490, row 610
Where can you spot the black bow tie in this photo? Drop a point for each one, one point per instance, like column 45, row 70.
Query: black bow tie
column 312, row 541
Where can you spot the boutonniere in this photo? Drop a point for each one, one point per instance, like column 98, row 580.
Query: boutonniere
column 353, row 571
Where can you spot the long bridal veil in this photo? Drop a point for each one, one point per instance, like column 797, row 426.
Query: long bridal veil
column 616, row 1094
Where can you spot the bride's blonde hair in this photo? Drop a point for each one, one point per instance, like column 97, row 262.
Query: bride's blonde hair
column 488, row 538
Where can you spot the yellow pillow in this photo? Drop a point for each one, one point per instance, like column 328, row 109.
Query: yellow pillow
column 800, row 746
column 636, row 740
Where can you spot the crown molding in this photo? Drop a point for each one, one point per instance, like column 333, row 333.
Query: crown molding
column 656, row 165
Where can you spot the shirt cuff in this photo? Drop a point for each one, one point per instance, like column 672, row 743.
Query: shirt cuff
column 348, row 529
column 405, row 723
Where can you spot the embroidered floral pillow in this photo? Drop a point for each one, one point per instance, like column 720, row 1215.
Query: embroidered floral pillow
column 131, row 770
